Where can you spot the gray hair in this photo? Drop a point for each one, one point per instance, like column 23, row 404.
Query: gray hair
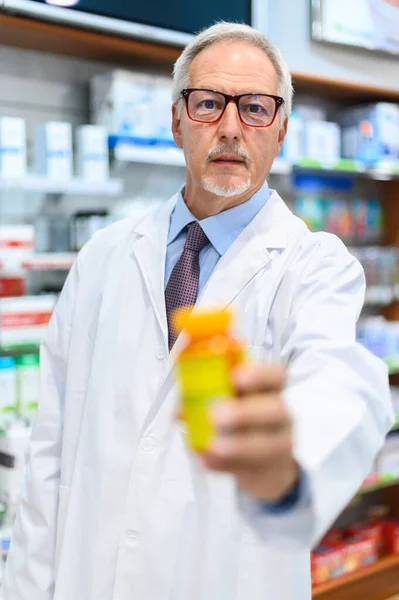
column 232, row 32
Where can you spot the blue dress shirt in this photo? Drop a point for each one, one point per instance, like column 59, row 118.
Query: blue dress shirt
column 221, row 230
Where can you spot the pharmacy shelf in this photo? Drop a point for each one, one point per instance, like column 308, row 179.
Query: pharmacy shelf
column 376, row 582
column 74, row 186
column 41, row 262
column 18, row 349
column 383, row 481
column 155, row 155
column 382, row 172
column 166, row 154
column 172, row 157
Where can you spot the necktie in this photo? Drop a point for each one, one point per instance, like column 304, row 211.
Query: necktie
column 182, row 288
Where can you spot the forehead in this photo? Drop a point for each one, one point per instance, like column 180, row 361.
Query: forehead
column 233, row 68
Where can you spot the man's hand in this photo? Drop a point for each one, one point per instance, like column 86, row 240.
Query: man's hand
column 254, row 440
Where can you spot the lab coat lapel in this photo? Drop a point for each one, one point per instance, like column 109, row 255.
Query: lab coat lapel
column 250, row 253
column 150, row 251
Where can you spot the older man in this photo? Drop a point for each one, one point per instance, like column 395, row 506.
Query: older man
column 115, row 507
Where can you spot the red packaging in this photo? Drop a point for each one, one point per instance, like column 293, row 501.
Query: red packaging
column 326, row 564
column 333, row 538
column 374, row 531
column 392, row 536
column 360, row 551
column 11, row 286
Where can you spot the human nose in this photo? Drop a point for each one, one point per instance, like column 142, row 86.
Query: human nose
column 230, row 127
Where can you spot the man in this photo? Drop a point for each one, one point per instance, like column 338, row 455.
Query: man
column 115, row 507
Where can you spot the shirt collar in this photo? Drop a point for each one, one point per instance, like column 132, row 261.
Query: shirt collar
column 225, row 227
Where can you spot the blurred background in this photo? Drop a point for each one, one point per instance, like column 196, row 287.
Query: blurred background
column 85, row 95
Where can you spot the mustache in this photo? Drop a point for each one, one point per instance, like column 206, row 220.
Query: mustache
column 226, row 149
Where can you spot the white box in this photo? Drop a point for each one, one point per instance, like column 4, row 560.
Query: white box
column 12, row 147
column 371, row 133
column 16, row 245
column 24, row 320
column 14, row 447
column 122, row 101
column 92, row 153
column 53, row 150
column 294, row 143
column 322, row 141
column 162, row 101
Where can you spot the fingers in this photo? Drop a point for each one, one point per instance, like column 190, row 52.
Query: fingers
column 251, row 452
column 265, row 412
column 253, row 379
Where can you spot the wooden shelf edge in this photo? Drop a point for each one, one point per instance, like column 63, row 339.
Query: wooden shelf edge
column 386, row 571
column 70, row 41
column 348, row 91
column 94, row 45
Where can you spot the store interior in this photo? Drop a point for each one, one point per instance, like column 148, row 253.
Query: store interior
column 85, row 140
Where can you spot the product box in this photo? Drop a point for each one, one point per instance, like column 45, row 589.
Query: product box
column 162, row 107
column 370, row 133
column 372, row 531
column 122, row 102
column 92, row 153
column 333, row 538
column 53, row 150
column 392, row 536
column 338, row 219
column 16, row 245
column 28, row 385
column 360, row 551
column 310, row 208
column 322, row 141
column 14, row 446
column 24, row 320
column 326, row 564
column 11, row 285
column 12, row 147
column 293, row 148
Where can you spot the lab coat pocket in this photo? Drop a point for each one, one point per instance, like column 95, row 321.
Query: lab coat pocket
column 63, row 494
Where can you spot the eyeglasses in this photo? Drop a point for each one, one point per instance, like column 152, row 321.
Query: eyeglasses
column 208, row 106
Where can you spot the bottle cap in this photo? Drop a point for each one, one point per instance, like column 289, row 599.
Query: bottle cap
column 203, row 323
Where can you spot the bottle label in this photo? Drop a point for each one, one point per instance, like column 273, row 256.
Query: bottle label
column 204, row 382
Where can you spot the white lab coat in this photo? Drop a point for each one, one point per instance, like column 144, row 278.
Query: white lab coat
column 114, row 506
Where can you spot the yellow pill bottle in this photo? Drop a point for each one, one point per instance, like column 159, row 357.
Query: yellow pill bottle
column 204, row 370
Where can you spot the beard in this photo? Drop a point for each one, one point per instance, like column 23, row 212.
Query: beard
column 225, row 191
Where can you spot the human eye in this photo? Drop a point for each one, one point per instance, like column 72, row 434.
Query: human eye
column 209, row 104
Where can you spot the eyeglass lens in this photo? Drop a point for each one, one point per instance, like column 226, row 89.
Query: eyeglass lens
column 256, row 110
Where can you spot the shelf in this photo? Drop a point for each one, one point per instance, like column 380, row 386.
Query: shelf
column 104, row 47
column 41, row 262
column 18, row 349
column 58, row 39
column 166, row 153
column 79, row 187
column 347, row 167
column 386, row 481
column 157, row 154
column 376, row 582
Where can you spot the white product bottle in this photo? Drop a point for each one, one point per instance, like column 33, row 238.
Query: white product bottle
column 8, row 390
column 28, row 381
